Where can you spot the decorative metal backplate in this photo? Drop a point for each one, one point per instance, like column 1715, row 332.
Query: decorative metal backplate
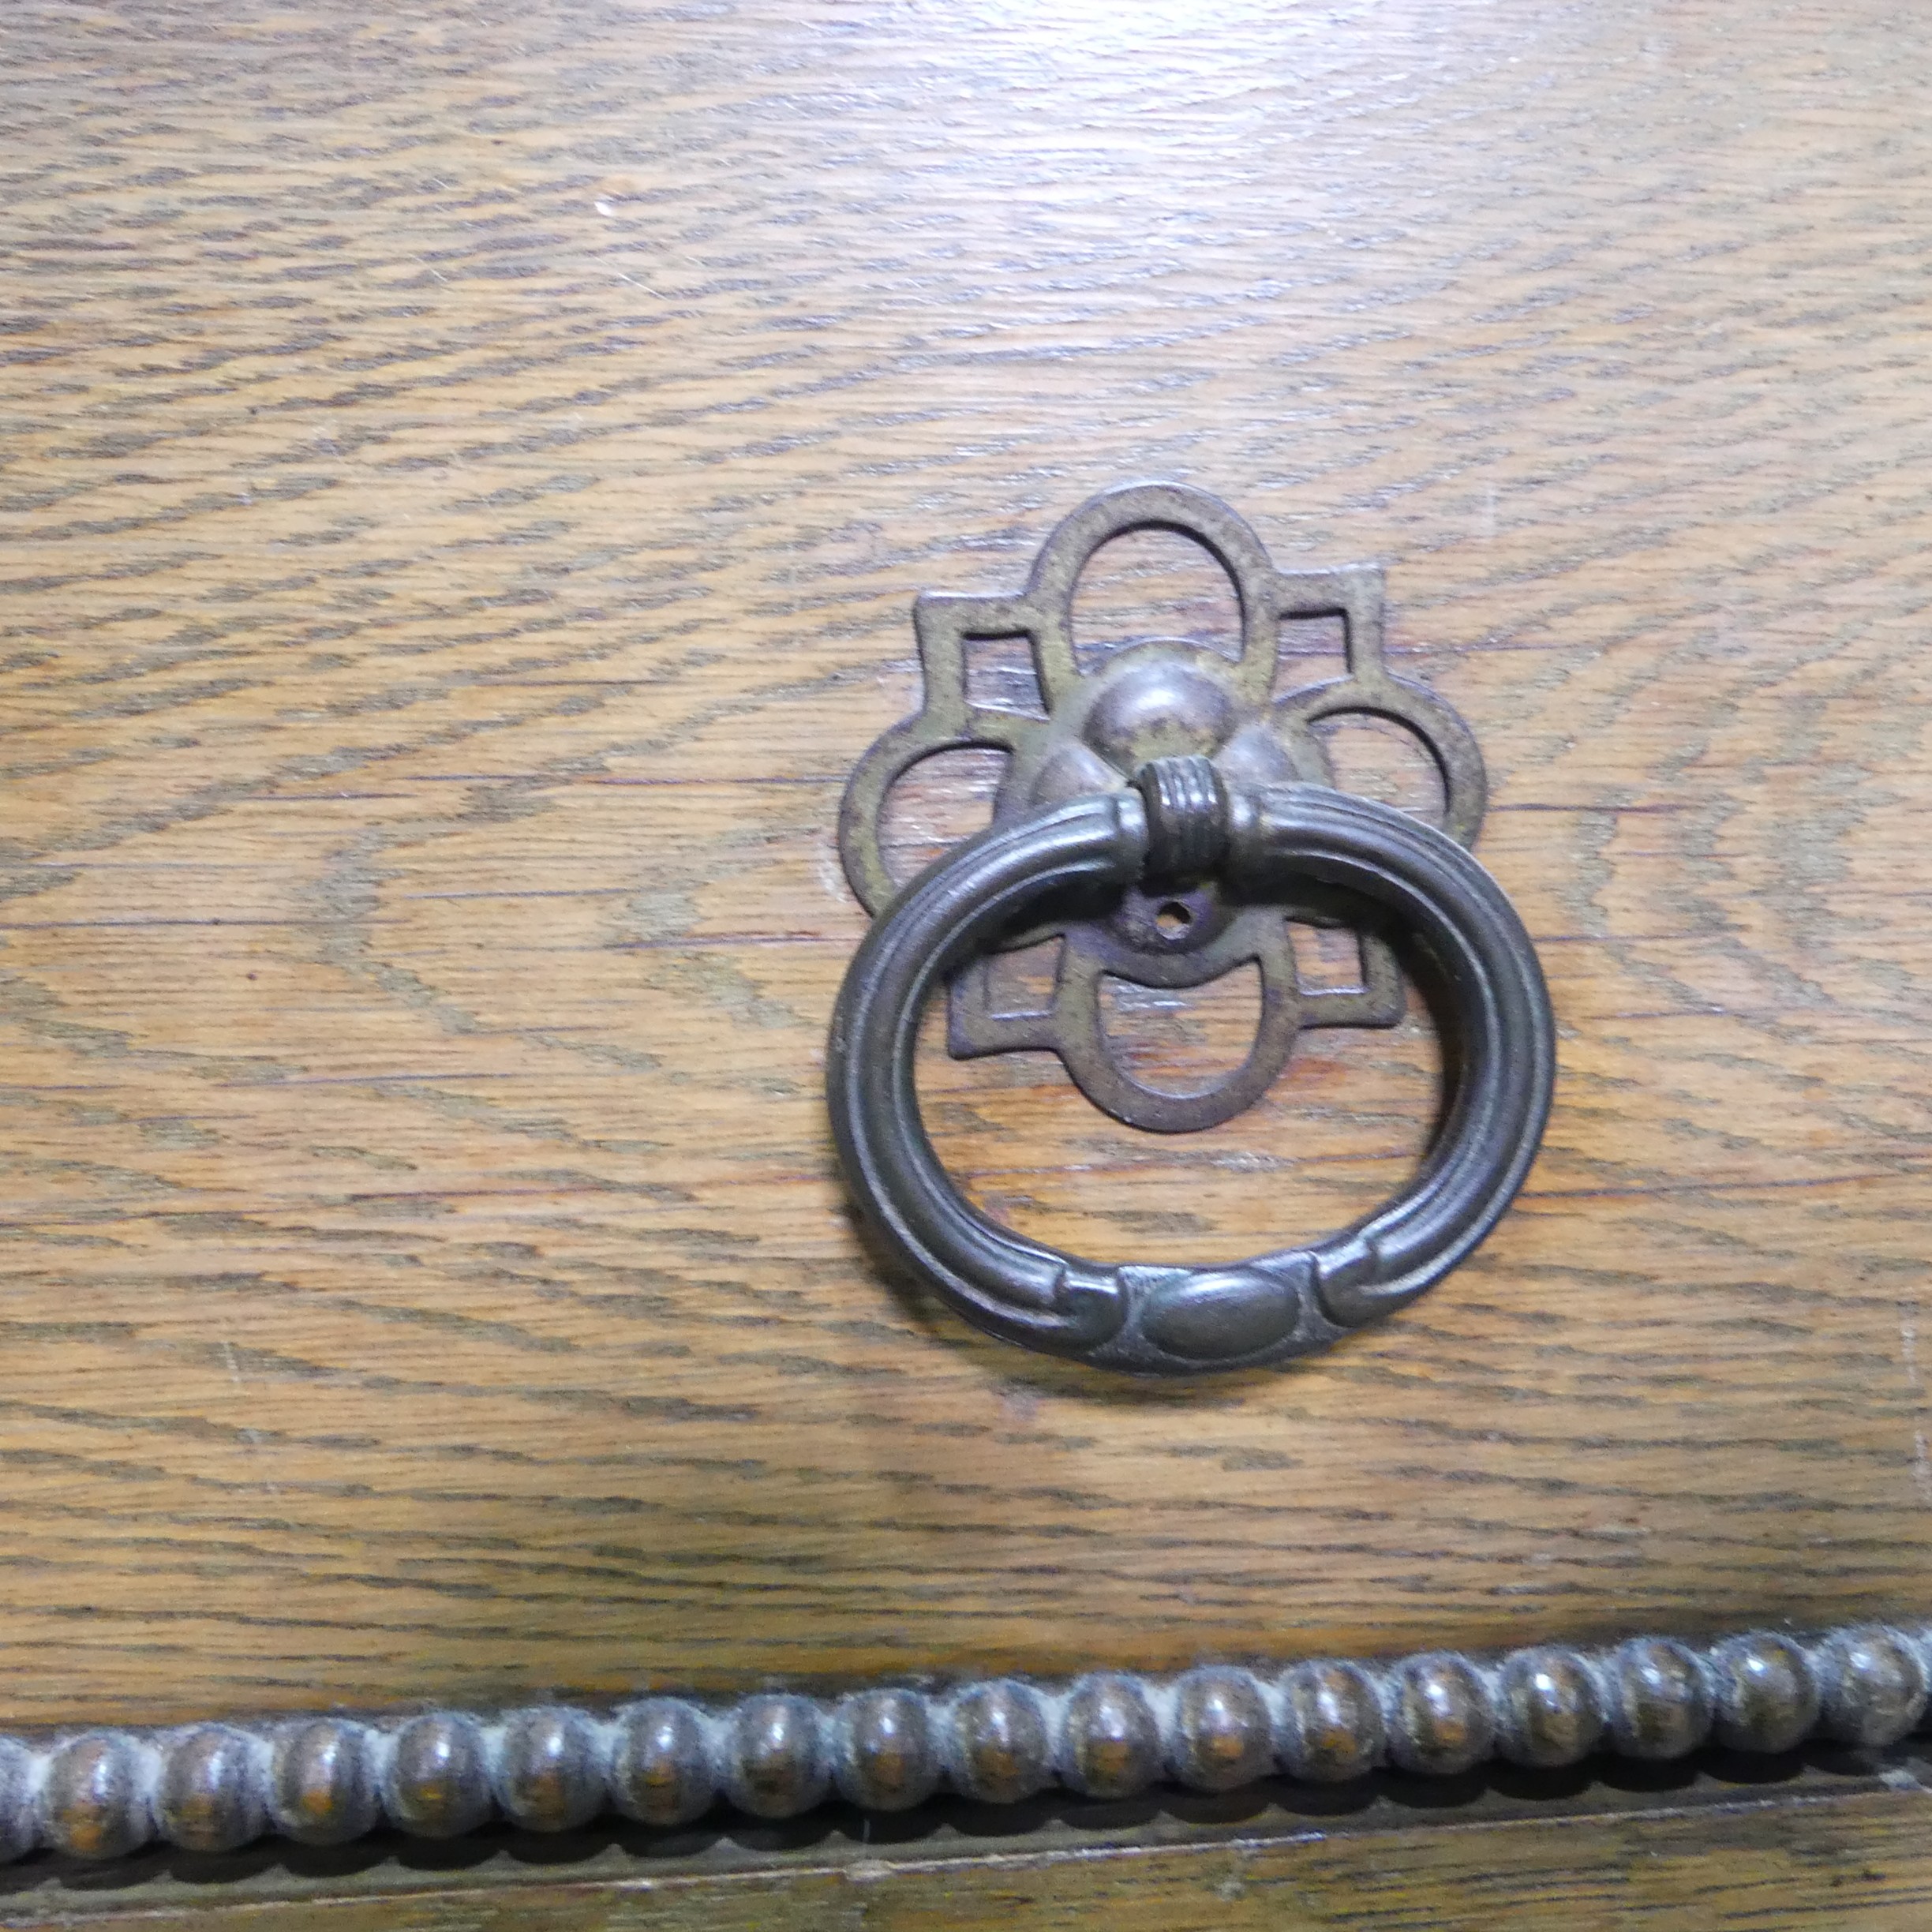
column 1160, row 699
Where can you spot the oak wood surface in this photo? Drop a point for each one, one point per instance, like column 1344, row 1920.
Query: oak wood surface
column 463, row 474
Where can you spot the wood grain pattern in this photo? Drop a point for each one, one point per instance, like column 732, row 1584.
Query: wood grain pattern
column 464, row 478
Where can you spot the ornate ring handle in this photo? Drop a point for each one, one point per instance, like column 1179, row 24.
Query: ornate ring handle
column 1180, row 823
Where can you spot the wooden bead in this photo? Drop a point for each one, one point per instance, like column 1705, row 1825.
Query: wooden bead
column 549, row 1769
column 1765, row 1696
column 885, row 1755
column 1332, row 1727
column 1110, row 1740
column 322, row 1780
column 1440, row 1719
column 210, row 1797
column 94, row 1803
column 20, row 1829
column 1550, row 1711
column 776, row 1761
column 1222, row 1738
column 999, row 1750
column 438, row 1781
column 661, row 1771
column 1659, row 1705
column 1874, row 1684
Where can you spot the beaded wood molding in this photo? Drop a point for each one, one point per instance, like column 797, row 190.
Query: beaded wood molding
column 665, row 1761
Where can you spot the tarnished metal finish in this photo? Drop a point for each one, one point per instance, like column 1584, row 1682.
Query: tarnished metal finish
column 1109, row 1737
column 661, row 1769
column 1441, row 1718
column 96, row 1795
column 1331, row 1726
column 438, row 1781
column 210, row 1796
column 776, row 1761
column 548, row 1769
column 1766, row 1692
column 887, row 1756
column 1659, row 1705
column 1171, row 1321
column 323, row 1774
column 1221, row 1730
column 1166, row 817
column 1874, row 1684
column 999, row 1742
column 1552, row 1708
column 1158, row 700
column 667, row 1761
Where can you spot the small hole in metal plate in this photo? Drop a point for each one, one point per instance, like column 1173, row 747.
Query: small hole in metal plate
column 1173, row 919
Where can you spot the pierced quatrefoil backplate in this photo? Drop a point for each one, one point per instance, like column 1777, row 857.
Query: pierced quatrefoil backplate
column 1159, row 698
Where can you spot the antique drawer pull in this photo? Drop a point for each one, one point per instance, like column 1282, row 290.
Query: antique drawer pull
column 1164, row 814
column 1181, row 823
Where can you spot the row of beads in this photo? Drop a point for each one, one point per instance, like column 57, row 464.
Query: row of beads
column 324, row 1780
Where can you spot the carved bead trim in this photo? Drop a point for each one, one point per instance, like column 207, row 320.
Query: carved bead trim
column 666, row 1761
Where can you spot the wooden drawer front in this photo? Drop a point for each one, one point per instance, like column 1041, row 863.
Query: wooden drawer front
column 465, row 478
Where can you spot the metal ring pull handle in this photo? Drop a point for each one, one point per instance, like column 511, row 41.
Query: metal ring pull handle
column 1178, row 822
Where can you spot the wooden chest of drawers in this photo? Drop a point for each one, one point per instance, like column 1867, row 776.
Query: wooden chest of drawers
column 466, row 472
